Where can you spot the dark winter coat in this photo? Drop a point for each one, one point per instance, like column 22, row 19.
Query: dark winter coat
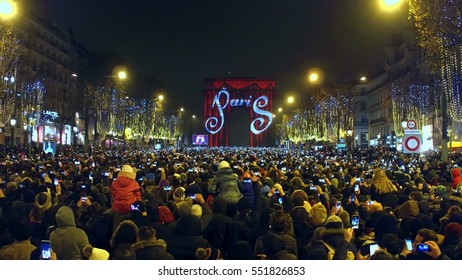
column 151, row 250
column 225, row 185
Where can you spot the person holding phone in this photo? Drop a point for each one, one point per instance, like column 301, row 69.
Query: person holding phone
column 125, row 191
column 425, row 247
column 67, row 240
column 334, row 243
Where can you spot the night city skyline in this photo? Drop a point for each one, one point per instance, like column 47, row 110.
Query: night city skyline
column 179, row 44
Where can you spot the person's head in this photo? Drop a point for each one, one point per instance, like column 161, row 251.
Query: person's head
column 223, row 164
column 35, row 214
column 424, row 235
column 279, row 221
column 126, row 232
column 419, row 182
column 147, row 233
column 318, row 214
column 20, row 231
column 381, row 255
column 392, row 243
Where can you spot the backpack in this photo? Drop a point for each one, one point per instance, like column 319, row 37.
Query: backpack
column 331, row 252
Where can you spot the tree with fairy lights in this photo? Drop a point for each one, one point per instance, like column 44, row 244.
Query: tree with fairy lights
column 439, row 27
column 336, row 103
column 9, row 55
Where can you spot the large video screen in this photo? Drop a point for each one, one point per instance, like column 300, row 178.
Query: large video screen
column 200, row 139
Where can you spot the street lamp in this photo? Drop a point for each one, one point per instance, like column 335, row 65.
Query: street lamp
column 13, row 124
column 75, row 130
column 290, row 99
column 7, row 9
column 120, row 74
column 390, row 5
column 349, row 135
column 156, row 102
column 315, row 76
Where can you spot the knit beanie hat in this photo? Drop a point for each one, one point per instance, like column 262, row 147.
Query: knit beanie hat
column 453, row 231
column 333, row 225
column 150, row 176
column 165, row 215
column 223, row 164
column 333, row 222
column 183, row 209
column 440, row 190
column 196, row 210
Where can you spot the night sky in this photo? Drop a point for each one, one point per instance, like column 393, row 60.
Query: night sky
column 179, row 43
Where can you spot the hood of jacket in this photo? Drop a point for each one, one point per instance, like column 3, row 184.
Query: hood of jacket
column 65, row 217
column 149, row 243
column 128, row 175
column 225, row 174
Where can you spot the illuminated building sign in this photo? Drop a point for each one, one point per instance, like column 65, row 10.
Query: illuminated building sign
column 49, row 116
column 221, row 96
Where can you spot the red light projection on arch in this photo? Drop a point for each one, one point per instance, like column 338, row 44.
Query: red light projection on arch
column 222, row 96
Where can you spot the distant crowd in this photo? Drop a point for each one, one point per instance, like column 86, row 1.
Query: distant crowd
column 229, row 203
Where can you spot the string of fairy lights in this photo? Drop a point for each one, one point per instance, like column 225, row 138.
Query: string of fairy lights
column 451, row 72
column 323, row 121
column 411, row 101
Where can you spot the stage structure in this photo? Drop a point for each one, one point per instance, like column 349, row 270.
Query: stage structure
column 221, row 96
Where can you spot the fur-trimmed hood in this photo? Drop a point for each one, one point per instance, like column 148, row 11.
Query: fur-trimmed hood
column 149, row 243
column 127, row 229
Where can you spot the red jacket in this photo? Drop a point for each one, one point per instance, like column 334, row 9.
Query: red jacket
column 125, row 190
column 456, row 178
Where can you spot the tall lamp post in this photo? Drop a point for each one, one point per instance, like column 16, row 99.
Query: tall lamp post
column 156, row 103
column 13, row 124
column 349, row 135
column 120, row 76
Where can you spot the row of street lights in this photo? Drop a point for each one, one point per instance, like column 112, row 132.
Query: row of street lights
column 315, row 77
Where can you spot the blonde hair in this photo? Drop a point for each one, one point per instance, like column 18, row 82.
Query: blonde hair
column 381, row 182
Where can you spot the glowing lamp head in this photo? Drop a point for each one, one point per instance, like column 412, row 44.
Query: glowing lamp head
column 390, row 5
column 122, row 75
column 7, row 9
column 313, row 77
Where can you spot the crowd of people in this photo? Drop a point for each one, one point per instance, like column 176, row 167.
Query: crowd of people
column 229, row 203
